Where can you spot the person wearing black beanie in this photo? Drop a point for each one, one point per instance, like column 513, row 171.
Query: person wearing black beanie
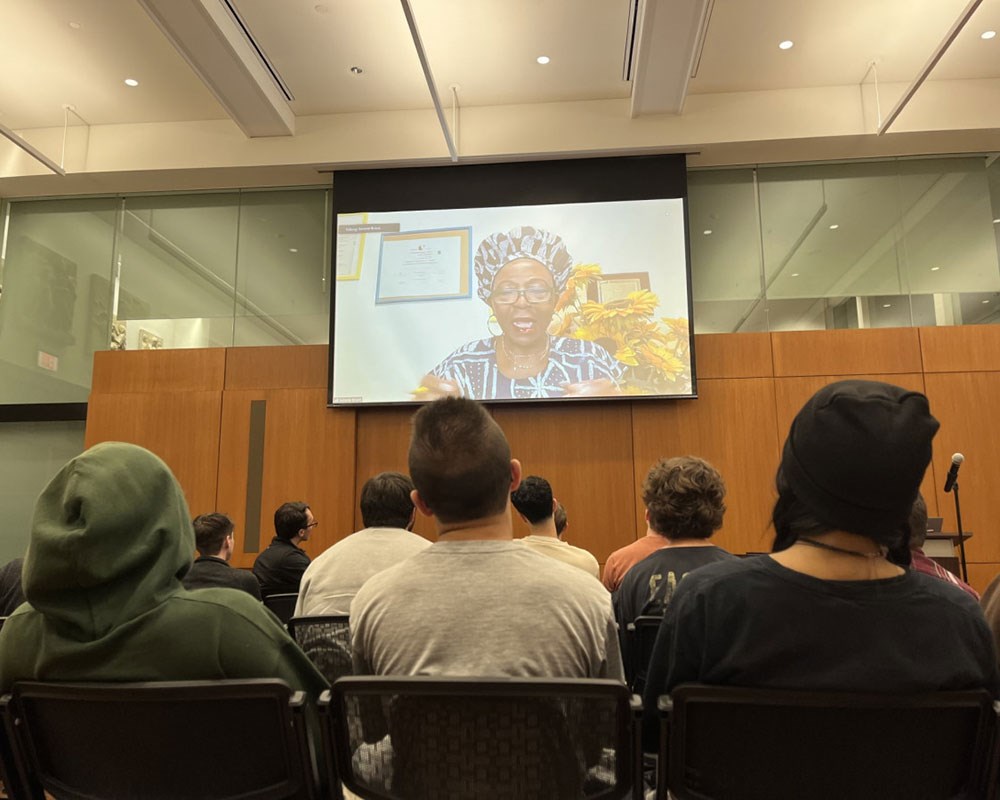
column 831, row 609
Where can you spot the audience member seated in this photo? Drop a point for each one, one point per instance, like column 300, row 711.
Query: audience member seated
column 534, row 502
column 624, row 558
column 919, row 561
column 990, row 603
column 331, row 581
column 683, row 498
column 279, row 567
column 476, row 602
column 111, row 540
column 560, row 519
column 828, row 610
column 215, row 539
column 11, row 595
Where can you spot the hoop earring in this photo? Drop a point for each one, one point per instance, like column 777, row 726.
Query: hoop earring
column 553, row 325
column 491, row 322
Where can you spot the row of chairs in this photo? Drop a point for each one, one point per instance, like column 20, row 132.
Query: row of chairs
column 390, row 738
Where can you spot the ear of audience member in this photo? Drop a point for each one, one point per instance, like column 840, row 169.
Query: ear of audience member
column 111, row 539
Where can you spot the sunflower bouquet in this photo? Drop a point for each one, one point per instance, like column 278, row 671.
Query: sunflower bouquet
column 655, row 351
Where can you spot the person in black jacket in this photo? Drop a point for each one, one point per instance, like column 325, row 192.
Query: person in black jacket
column 279, row 567
column 215, row 540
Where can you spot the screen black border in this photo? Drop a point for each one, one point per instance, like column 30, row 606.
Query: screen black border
column 571, row 180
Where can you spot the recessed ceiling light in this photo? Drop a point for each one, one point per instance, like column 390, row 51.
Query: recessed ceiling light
column 543, row 59
column 357, row 70
column 935, row 269
column 997, row 220
column 293, row 249
column 834, row 226
column 788, row 44
column 75, row 26
column 886, row 305
column 985, row 302
column 131, row 82
column 795, row 274
column 987, row 34
column 707, row 232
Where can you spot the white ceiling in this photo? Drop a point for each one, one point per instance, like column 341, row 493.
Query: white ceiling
column 487, row 47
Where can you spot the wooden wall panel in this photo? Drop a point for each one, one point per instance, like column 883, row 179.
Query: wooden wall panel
column 963, row 348
column 383, row 442
column 181, row 428
column 850, row 352
column 968, row 407
column 308, row 455
column 733, row 355
column 982, row 575
column 159, row 371
column 585, row 451
column 731, row 425
column 277, row 367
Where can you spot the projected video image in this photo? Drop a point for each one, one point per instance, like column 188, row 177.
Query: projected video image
column 581, row 300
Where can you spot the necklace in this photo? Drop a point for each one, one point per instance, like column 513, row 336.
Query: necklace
column 835, row 549
column 524, row 361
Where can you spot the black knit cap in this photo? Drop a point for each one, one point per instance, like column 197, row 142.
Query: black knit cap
column 856, row 453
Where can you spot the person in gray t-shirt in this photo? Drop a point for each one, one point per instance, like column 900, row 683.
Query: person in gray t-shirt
column 478, row 603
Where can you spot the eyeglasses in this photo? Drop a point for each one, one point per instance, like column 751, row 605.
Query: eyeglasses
column 312, row 524
column 533, row 294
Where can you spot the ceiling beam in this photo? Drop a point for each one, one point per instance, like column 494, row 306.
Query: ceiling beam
column 668, row 46
column 217, row 46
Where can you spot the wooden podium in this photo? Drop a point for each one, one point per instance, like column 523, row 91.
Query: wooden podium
column 942, row 547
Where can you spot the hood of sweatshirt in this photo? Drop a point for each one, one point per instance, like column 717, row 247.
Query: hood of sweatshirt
column 110, row 540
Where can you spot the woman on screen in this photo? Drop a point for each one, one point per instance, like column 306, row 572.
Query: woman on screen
column 520, row 275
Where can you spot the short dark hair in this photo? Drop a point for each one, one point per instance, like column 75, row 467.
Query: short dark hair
column 386, row 502
column 684, row 497
column 918, row 522
column 560, row 518
column 459, row 460
column 533, row 498
column 289, row 519
column 210, row 532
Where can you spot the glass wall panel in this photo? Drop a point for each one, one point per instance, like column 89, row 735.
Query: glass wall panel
column 725, row 252
column 30, row 454
column 830, row 233
column 283, row 268
column 55, row 295
column 178, row 272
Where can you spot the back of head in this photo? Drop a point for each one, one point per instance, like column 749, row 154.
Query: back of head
column 111, row 537
column 684, row 497
column 853, row 461
column 459, row 460
column 560, row 518
column 533, row 499
column 918, row 522
column 289, row 519
column 386, row 501
column 210, row 532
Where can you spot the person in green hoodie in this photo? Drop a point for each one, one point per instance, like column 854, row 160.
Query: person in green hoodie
column 110, row 541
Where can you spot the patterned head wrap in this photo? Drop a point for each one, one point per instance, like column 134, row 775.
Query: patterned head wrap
column 499, row 249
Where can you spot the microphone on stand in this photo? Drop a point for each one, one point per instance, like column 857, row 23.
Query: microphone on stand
column 956, row 462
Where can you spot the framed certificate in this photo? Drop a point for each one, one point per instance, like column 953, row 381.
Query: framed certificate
column 424, row 265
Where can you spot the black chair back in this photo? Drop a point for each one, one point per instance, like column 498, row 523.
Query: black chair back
column 241, row 739
column 724, row 742
column 640, row 636
column 327, row 642
column 517, row 739
column 282, row 604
